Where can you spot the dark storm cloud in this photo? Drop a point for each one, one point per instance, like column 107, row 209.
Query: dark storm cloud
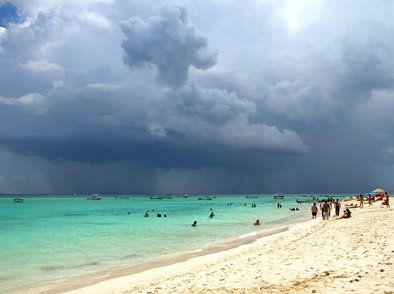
column 191, row 128
column 169, row 42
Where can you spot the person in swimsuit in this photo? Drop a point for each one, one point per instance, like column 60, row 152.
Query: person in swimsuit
column 314, row 210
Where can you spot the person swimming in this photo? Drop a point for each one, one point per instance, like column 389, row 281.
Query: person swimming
column 146, row 214
column 257, row 223
column 194, row 224
column 212, row 215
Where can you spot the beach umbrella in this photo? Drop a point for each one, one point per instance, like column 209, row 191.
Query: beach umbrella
column 378, row 191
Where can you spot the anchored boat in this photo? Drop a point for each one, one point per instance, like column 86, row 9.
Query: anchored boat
column 18, row 200
column 94, row 197
column 205, row 198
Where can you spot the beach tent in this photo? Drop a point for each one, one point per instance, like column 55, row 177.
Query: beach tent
column 378, row 191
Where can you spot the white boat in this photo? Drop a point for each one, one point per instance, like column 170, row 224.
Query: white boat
column 94, row 197
column 156, row 197
column 18, row 199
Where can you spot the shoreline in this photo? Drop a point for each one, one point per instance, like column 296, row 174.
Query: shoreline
column 338, row 255
column 91, row 279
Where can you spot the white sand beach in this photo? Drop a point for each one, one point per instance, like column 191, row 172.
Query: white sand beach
column 336, row 256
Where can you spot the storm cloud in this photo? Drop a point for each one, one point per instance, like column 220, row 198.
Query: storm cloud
column 224, row 97
column 169, row 42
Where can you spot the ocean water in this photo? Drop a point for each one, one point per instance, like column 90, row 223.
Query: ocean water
column 48, row 239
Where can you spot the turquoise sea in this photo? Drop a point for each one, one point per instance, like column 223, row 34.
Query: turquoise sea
column 53, row 238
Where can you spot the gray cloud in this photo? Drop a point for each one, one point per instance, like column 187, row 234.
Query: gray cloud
column 169, row 42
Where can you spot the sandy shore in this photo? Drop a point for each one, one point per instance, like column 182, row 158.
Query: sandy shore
column 335, row 256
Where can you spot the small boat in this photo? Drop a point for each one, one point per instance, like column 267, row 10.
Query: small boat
column 94, row 197
column 168, row 197
column 205, row 198
column 18, row 200
column 279, row 197
column 156, row 197
column 251, row 197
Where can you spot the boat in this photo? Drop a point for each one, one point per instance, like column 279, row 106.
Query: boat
column 156, row 197
column 279, row 197
column 168, row 196
column 251, row 197
column 205, row 198
column 18, row 200
column 94, row 197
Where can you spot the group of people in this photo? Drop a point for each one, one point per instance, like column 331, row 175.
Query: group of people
column 211, row 215
column 158, row 214
column 326, row 206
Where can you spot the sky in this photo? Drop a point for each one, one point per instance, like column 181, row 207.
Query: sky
column 140, row 97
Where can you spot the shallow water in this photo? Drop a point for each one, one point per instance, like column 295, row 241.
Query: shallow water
column 53, row 238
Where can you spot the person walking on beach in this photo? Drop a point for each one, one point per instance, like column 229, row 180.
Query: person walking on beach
column 337, row 207
column 321, row 208
column 325, row 210
column 361, row 201
column 314, row 210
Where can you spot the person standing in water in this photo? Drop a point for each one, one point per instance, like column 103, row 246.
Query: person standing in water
column 314, row 210
column 194, row 224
